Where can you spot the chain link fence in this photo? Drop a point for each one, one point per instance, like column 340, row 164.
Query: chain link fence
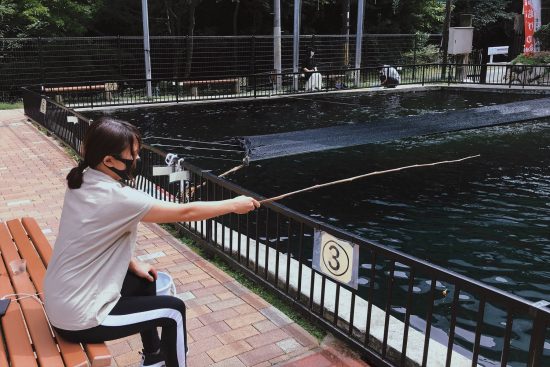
column 29, row 61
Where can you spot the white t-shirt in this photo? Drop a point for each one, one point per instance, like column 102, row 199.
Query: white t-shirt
column 97, row 236
column 391, row 72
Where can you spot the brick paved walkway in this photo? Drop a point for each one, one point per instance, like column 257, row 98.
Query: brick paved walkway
column 227, row 324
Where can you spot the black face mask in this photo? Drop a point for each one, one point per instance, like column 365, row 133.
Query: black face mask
column 129, row 173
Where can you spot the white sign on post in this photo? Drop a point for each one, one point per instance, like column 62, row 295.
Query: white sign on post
column 336, row 258
column 43, row 105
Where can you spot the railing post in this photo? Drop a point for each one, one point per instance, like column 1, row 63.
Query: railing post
column 414, row 56
column 537, row 340
column 423, row 74
column 40, row 60
column 254, row 83
column 119, row 56
column 177, row 90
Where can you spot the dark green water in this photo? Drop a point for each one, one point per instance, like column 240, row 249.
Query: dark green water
column 487, row 218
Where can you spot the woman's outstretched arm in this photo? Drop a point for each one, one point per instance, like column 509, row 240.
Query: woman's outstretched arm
column 165, row 212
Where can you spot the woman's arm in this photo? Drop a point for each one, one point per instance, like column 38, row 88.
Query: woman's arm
column 165, row 212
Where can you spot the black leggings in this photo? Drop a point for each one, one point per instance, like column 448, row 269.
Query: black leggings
column 140, row 310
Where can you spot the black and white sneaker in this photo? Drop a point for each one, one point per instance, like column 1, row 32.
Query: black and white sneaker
column 152, row 359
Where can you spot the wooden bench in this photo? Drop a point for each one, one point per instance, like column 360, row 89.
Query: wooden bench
column 194, row 84
column 107, row 88
column 28, row 338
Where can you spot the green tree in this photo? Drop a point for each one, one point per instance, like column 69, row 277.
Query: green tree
column 35, row 18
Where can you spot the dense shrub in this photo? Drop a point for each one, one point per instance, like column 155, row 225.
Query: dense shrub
column 535, row 58
column 425, row 53
column 543, row 36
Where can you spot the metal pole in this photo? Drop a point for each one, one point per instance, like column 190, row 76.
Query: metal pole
column 277, row 42
column 445, row 43
column 346, row 56
column 296, row 41
column 146, row 46
column 359, row 38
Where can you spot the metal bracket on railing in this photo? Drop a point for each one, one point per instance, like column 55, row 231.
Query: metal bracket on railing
column 180, row 174
column 171, row 160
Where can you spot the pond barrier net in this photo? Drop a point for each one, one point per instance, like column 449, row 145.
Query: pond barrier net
column 259, row 147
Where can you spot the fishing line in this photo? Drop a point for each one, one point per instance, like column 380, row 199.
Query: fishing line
column 191, row 141
column 196, row 148
column 350, row 179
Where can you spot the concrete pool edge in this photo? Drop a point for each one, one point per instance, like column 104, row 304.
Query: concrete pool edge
column 376, row 90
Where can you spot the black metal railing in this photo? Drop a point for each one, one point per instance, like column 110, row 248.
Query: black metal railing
column 409, row 312
column 115, row 92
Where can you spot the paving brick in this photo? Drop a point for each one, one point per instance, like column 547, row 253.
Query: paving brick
column 230, row 362
column 220, row 305
column 237, row 334
column 119, row 348
column 209, row 330
column 218, row 316
column 209, row 290
column 317, row 360
column 302, row 336
column 262, row 354
column 197, row 311
column 269, row 337
column 242, row 320
column 229, row 350
column 202, row 300
column 289, row 345
column 200, row 360
column 276, row 316
column 203, row 345
column 264, row 326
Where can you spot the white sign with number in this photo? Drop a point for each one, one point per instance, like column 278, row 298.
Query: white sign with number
column 336, row 258
column 43, row 105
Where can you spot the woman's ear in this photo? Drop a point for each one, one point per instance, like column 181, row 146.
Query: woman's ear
column 108, row 161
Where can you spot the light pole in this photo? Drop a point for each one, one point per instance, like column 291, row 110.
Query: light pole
column 359, row 39
column 277, row 42
column 146, row 46
column 296, row 41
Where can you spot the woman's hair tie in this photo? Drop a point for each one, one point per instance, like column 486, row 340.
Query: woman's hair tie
column 82, row 165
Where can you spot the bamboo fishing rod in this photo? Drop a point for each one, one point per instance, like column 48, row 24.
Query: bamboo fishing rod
column 375, row 173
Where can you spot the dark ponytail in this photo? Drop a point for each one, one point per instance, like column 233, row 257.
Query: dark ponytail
column 105, row 136
column 74, row 178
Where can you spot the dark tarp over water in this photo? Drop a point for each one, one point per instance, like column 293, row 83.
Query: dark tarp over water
column 314, row 140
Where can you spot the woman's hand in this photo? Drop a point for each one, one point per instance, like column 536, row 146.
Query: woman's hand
column 143, row 270
column 244, row 204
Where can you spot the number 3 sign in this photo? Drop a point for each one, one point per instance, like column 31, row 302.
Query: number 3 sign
column 336, row 258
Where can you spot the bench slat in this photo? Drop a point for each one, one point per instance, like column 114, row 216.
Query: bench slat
column 3, row 355
column 35, row 266
column 17, row 339
column 99, row 354
column 72, row 353
column 38, row 239
column 45, row 346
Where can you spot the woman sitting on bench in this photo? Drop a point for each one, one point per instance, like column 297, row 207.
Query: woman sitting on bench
column 94, row 290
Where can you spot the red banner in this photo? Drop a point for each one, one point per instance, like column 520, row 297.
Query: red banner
column 529, row 20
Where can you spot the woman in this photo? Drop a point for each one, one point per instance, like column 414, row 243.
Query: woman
column 94, row 290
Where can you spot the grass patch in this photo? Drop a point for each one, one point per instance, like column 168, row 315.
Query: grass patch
column 10, row 106
column 268, row 295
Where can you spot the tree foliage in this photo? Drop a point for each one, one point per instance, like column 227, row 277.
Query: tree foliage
column 32, row 18
column 46, row 18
